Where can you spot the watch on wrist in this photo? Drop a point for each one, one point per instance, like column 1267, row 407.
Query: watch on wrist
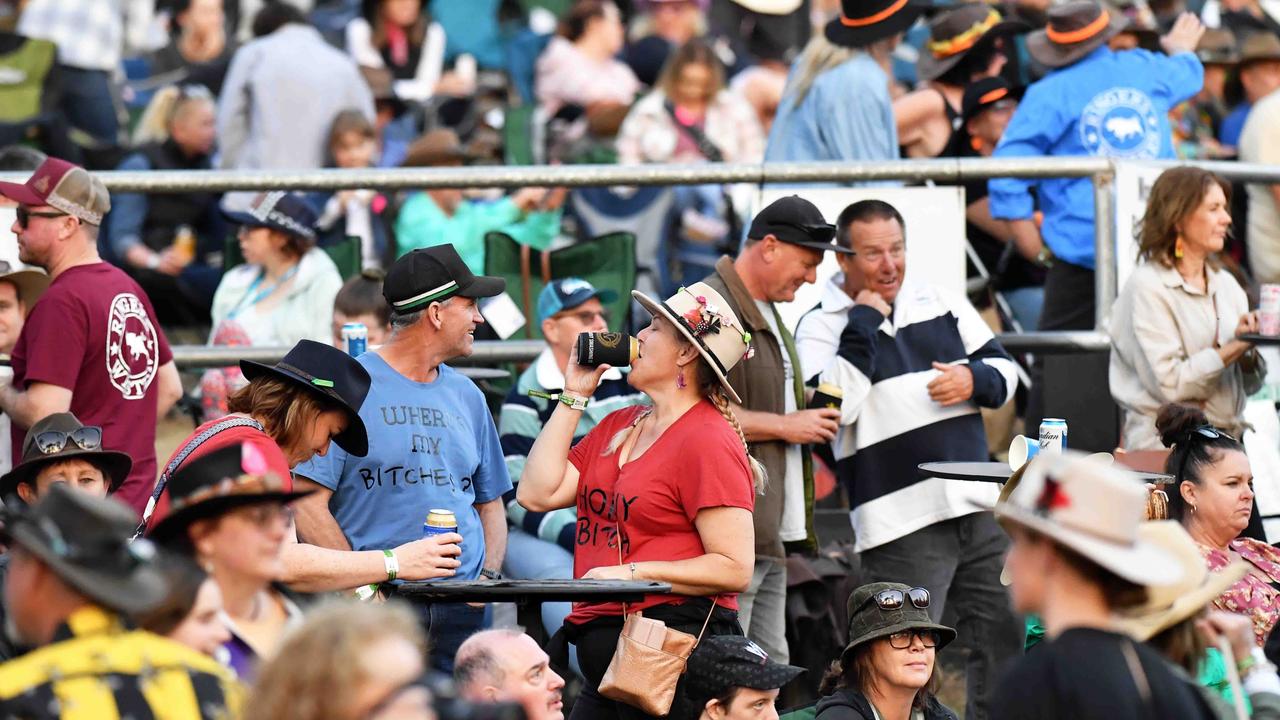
column 490, row 574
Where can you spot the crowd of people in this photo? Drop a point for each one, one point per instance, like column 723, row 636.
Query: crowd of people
column 273, row 565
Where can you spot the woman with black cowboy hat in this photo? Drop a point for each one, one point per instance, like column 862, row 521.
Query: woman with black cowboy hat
column 291, row 411
column 229, row 512
column 672, row 481
column 888, row 671
column 836, row 103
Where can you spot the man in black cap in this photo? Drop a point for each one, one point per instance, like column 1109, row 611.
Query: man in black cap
column 73, row 573
column 784, row 247
column 731, row 678
column 432, row 442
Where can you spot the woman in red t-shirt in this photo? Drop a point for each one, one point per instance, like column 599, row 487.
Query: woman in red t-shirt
column 673, row 482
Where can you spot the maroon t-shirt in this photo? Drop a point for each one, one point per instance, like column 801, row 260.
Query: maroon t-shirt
column 94, row 333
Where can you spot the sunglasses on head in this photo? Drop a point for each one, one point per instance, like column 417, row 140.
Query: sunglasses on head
column 1204, row 432
column 895, row 599
column 25, row 214
column 53, row 441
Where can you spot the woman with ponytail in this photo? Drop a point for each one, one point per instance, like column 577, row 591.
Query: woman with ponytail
column 664, row 493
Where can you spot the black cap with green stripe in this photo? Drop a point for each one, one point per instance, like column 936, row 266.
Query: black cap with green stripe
column 434, row 274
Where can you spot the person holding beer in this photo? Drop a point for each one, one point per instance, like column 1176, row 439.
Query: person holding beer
column 1175, row 326
column 663, row 493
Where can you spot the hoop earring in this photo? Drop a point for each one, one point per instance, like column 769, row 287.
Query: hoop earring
column 680, row 383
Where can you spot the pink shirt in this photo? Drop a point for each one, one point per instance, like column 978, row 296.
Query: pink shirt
column 565, row 76
column 1251, row 595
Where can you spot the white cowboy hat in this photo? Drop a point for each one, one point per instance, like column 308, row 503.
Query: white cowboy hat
column 706, row 320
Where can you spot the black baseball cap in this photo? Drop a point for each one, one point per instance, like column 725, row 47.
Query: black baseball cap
column 721, row 662
column 433, row 274
column 797, row 221
column 984, row 93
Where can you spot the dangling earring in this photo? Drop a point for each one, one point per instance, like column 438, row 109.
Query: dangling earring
column 1193, row 508
column 1177, row 248
column 680, row 383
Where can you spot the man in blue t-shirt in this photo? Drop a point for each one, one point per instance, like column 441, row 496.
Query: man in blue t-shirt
column 432, row 441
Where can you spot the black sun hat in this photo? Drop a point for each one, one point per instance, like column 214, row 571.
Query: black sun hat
column 216, row 483
column 721, row 662
column 869, row 621
column 958, row 32
column 330, row 373
column 85, row 541
column 59, row 437
column 984, row 93
column 862, row 22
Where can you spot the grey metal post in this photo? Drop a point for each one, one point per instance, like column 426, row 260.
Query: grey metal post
column 1104, row 228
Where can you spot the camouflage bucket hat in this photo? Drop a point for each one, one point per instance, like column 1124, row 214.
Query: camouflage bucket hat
column 868, row 621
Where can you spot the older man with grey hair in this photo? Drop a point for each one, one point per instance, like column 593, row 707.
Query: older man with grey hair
column 507, row 666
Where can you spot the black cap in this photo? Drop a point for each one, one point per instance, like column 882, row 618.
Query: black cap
column 428, row 275
column 721, row 662
column 797, row 221
column 982, row 94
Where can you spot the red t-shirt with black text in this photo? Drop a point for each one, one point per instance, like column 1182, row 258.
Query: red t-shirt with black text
column 697, row 463
column 94, row 333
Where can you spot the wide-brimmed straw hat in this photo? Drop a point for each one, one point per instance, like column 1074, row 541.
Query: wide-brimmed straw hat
column 706, row 320
column 1093, row 510
column 868, row 621
column 1169, row 605
column 958, row 32
column 58, row 437
column 1075, row 29
column 217, row 483
column 862, row 22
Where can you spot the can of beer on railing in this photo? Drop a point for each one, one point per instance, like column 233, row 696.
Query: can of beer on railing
column 827, row 395
column 355, row 336
column 1053, row 435
column 439, row 522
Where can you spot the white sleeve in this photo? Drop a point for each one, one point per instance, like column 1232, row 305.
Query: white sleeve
column 360, row 44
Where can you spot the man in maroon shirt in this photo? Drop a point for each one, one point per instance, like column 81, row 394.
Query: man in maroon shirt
column 91, row 345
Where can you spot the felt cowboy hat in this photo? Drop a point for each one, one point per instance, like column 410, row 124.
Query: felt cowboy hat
column 85, row 542
column 1091, row 509
column 703, row 317
column 58, row 437
column 30, row 283
column 982, row 95
column 1169, row 605
column 878, row 610
column 862, row 22
column 958, row 32
column 329, row 373
column 217, row 483
column 1259, row 47
column 1217, row 47
column 1075, row 29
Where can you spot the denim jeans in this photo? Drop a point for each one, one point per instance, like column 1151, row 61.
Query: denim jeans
column 959, row 562
column 1026, row 304
column 447, row 626
column 762, row 609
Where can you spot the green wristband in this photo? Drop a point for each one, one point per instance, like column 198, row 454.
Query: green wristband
column 392, row 564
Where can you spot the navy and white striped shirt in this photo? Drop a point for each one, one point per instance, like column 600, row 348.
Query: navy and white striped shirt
column 889, row 424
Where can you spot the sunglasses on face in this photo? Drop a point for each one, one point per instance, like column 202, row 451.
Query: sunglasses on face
column 25, row 214
column 53, row 441
column 902, row 640
column 895, row 599
column 1206, row 433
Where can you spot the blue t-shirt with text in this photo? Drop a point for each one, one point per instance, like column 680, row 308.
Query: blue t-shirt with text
column 431, row 445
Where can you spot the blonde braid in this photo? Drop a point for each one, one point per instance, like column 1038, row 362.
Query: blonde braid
column 721, row 401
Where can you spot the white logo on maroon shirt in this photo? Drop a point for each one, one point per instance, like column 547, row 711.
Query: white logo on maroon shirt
column 133, row 354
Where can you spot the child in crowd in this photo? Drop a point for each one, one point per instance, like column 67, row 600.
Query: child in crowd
column 360, row 301
column 353, row 143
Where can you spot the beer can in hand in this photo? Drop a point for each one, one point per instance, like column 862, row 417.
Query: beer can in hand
column 827, row 395
column 439, row 522
column 355, row 336
column 608, row 348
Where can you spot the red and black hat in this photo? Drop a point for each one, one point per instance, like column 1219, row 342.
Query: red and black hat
column 862, row 22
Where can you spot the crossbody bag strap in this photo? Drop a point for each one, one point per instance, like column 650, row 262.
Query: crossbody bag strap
column 181, row 456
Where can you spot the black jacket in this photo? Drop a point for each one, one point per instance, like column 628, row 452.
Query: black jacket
column 848, row 704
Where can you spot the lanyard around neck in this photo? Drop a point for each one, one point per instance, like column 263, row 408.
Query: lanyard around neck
column 249, row 299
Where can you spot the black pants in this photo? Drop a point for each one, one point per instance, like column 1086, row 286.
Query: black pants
column 1068, row 305
column 597, row 640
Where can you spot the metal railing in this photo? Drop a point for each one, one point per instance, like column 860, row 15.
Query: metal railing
column 945, row 171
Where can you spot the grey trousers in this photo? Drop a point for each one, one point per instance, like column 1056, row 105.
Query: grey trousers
column 959, row 562
column 762, row 609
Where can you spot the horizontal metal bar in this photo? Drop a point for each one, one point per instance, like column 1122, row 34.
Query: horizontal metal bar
column 487, row 352
column 1058, row 342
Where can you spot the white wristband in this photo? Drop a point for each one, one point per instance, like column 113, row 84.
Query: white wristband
column 391, row 563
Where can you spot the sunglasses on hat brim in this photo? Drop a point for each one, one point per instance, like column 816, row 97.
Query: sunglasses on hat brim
column 893, row 599
column 88, row 437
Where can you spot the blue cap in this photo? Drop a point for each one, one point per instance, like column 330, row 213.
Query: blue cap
column 569, row 293
column 278, row 210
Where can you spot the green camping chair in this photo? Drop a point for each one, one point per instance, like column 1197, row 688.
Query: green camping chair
column 345, row 254
column 608, row 261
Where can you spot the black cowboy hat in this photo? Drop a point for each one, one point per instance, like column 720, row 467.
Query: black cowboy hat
column 959, row 31
column 330, row 373
column 1075, row 29
column 217, row 483
column 85, row 541
column 982, row 94
column 862, row 22
column 58, row 437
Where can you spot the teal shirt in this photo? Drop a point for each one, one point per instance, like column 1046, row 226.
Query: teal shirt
column 421, row 223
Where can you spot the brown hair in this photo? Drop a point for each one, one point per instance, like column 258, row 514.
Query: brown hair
column 1182, row 644
column 285, row 409
column 583, row 12
column 694, row 52
column 183, row 578
column 350, row 120
column 417, row 32
column 318, row 668
column 362, row 295
column 856, row 670
column 1119, row 593
column 1174, row 196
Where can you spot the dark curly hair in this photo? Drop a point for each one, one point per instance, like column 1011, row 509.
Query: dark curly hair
column 1192, row 451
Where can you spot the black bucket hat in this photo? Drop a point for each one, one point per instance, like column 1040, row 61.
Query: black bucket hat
column 863, row 22
column 217, row 483
column 868, row 621
column 85, row 541
column 959, row 31
column 58, row 437
column 330, row 373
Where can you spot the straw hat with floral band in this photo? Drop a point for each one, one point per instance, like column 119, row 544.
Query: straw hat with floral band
column 863, row 22
column 1169, row 605
column 329, row 373
column 58, row 437
column 704, row 318
column 883, row 609
column 1075, row 29
column 959, row 31
column 216, row 483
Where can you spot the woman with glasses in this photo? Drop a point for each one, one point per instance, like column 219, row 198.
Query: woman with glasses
column 1213, row 499
column 1174, row 336
column 888, row 670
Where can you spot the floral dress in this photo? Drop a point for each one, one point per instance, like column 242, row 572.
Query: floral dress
column 1251, row 595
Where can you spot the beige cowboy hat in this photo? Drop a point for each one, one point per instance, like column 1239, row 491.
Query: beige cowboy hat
column 706, row 320
column 1169, row 605
column 1094, row 510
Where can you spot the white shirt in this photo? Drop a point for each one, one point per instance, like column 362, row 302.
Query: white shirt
column 792, row 527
